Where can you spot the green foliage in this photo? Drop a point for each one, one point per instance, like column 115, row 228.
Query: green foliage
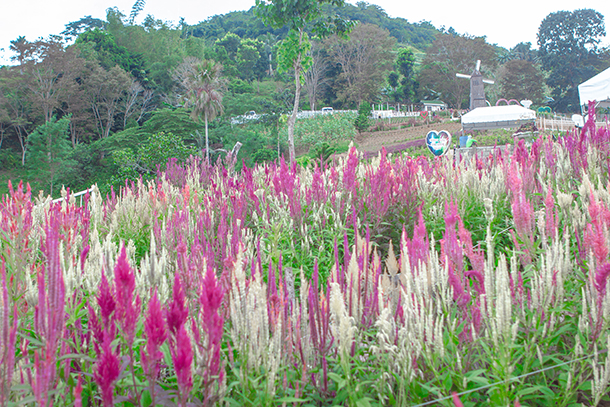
column 405, row 63
column 48, row 150
column 259, row 142
column 239, row 86
column 363, row 120
column 176, row 121
column 329, row 128
column 263, row 155
column 294, row 48
column 520, row 80
column 9, row 159
column 107, row 52
column 570, row 52
column 150, row 156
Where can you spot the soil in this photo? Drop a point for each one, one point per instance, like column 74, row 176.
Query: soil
column 372, row 142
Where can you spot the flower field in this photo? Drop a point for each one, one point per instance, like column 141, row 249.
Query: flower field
column 395, row 281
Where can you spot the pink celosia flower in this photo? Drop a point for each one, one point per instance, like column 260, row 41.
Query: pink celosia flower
column 125, row 284
column 601, row 278
column 78, row 390
column 106, row 301
column 551, row 216
column 177, row 312
column 8, row 336
column 154, row 328
column 107, row 372
column 182, row 356
column 456, row 400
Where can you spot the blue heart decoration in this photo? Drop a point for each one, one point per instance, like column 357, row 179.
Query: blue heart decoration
column 438, row 143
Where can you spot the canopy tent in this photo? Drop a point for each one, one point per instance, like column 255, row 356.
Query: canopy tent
column 497, row 117
column 596, row 89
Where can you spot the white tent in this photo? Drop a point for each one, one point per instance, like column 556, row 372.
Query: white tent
column 596, row 89
column 497, row 117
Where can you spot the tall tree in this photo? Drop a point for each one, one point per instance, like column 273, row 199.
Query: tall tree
column 315, row 77
column 22, row 48
column 53, row 74
column 451, row 54
column 365, row 59
column 520, row 79
column 15, row 100
column 75, row 28
column 204, row 85
column 570, row 52
column 49, row 148
column 105, row 90
column 296, row 15
column 406, row 66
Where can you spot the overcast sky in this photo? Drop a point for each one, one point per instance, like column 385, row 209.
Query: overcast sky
column 505, row 23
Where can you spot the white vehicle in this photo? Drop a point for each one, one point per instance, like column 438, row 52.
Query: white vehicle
column 326, row 110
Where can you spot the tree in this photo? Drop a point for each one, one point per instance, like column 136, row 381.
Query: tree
column 296, row 15
column 520, row 79
column 75, row 28
column 104, row 91
column 365, row 59
column 362, row 121
column 405, row 89
column 569, row 49
column 13, row 87
column 204, row 87
column 49, row 148
column 53, row 74
column 315, row 77
column 154, row 153
column 22, row 48
column 451, row 54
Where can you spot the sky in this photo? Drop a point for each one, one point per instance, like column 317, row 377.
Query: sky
column 506, row 23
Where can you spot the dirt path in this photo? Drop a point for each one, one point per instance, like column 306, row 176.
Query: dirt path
column 401, row 139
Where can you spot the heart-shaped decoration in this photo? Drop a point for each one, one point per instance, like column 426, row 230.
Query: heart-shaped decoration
column 438, row 143
column 423, row 113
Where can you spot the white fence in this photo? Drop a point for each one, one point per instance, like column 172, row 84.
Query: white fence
column 560, row 123
column 75, row 195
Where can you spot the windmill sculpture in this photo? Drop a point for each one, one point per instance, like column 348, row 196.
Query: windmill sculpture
column 477, row 91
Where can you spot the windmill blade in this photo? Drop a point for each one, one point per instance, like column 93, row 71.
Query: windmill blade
column 461, row 75
column 489, row 81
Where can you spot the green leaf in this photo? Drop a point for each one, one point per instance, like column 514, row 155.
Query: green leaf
column 291, row 400
column 363, row 402
column 448, row 382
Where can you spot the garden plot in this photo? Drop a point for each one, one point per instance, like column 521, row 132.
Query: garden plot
column 394, row 281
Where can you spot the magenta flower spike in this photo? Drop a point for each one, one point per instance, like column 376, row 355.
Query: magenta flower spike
column 78, row 391
column 552, row 222
column 182, row 356
column 210, row 299
column 456, row 400
column 125, row 284
column 106, row 302
column 8, row 336
column 156, row 334
column 107, row 371
column 601, row 279
column 177, row 311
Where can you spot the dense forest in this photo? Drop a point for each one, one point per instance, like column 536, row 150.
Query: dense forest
column 109, row 99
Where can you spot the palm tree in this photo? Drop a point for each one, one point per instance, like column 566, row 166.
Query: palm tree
column 204, row 87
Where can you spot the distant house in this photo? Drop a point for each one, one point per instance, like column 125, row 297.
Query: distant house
column 434, row 105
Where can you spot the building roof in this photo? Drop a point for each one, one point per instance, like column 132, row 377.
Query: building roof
column 497, row 117
column 595, row 89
